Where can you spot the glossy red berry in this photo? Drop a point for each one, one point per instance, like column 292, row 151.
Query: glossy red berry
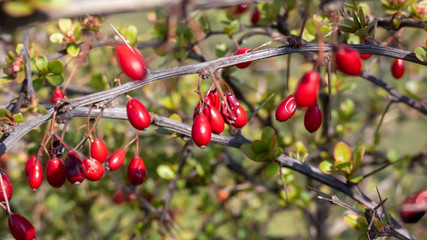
column 214, row 99
column 201, row 131
column 241, row 119
column 286, row 109
column 8, row 187
column 241, row 8
column 398, row 68
column 55, row 172
column 35, row 177
column 255, row 17
column 307, row 90
column 313, row 118
column 30, row 163
column 131, row 61
column 215, row 119
column 418, row 199
column 348, row 60
column 93, row 169
column 136, row 171
column 365, row 56
column 74, row 168
column 21, row 228
column 243, row 51
column 57, row 94
column 98, row 150
column 115, row 160
column 137, row 114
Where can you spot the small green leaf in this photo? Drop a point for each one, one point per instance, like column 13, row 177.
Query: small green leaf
column 55, row 79
column 4, row 113
column 269, row 136
column 17, row 8
column 37, row 84
column 271, row 169
column 362, row 17
column 358, row 157
column 342, row 154
column 355, row 179
column 19, row 48
column 5, row 79
column 18, row 118
column 247, row 150
column 65, row 24
column 73, row 50
column 355, row 221
column 166, row 172
column 56, row 38
column 326, row 167
column 276, row 152
column 176, row 117
column 421, row 53
column 55, row 67
column 235, row 25
column 344, row 167
column 347, row 25
column 356, row 20
column 41, row 63
column 20, row 76
column 262, row 157
column 259, row 147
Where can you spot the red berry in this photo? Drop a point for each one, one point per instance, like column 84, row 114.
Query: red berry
column 136, row 171
column 55, row 172
column 255, row 17
column 74, row 168
column 201, row 131
column 243, row 51
column 30, row 163
column 223, row 195
column 35, row 178
column 215, row 119
column 398, row 68
column 418, row 199
column 241, row 8
column 120, row 196
column 365, row 56
column 307, row 89
column 21, row 228
column 57, row 94
column 313, row 118
column 348, row 60
column 137, row 114
column 214, row 99
column 93, row 169
column 241, row 119
column 98, row 150
column 115, row 160
column 131, row 62
column 8, row 187
column 286, row 109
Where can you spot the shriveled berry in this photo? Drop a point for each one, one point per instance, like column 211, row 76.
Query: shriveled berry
column 136, row 171
column 286, row 109
column 55, row 172
column 416, row 200
column 115, row 160
column 201, row 131
column 348, row 60
column 98, row 150
column 74, row 168
column 313, row 118
column 35, row 177
column 137, row 114
column 93, row 169
column 57, row 94
column 20, row 227
column 307, row 89
column 244, row 64
column 8, row 187
column 214, row 99
column 398, row 68
column 29, row 164
column 131, row 61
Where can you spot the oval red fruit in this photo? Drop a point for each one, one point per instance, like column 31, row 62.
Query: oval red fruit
column 348, row 60
column 241, row 8
column 136, row 171
column 93, row 169
column 201, row 131
column 74, row 168
column 137, row 114
column 35, row 177
column 241, row 117
column 21, row 228
column 30, row 163
column 313, row 118
column 307, row 90
column 115, row 160
column 131, row 62
column 57, row 94
column 398, row 68
column 215, row 119
column 55, row 172
column 8, row 187
column 98, row 150
column 255, row 17
column 244, row 64
column 286, row 109
column 365, row 56
column 418, row 199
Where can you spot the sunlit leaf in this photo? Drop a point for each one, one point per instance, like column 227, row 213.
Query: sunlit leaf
column 55, row 79
column 421, row 53
column 73, row 50
column 326, row 167
column 56, row 38
column 55, row 67
column 271, row 169
column 165, row 171
column 342, row 154
column 18, row 118
column 65, row 24
column 41, row 63
column 355, row 221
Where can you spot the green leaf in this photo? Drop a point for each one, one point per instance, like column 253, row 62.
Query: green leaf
column 247, row 150
column 355, row 221
column 355, row 179
column 20, row 76
column 55, row 67
column 41, row 109
column 347, row 25
column 342, row 154
column 358, row 157
column 344, row 167
column 362, row 17
column 259, row 147
column 176, row 117
column 65, row 24
column 73, row 50
column 276, row 152
column 17, row 8
column 262, row 157
column 55, row 79
column 326, row 167
column 4, row 113
column 38, row 83
column 269, row 136
column 41, row 63
column 5, row 79
column 57, row 38
column 271, row 169
column 165, row 171
column 421, row 53
column 19, row 48
column 356, row 20
column 18, row 118
column 235, row 25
